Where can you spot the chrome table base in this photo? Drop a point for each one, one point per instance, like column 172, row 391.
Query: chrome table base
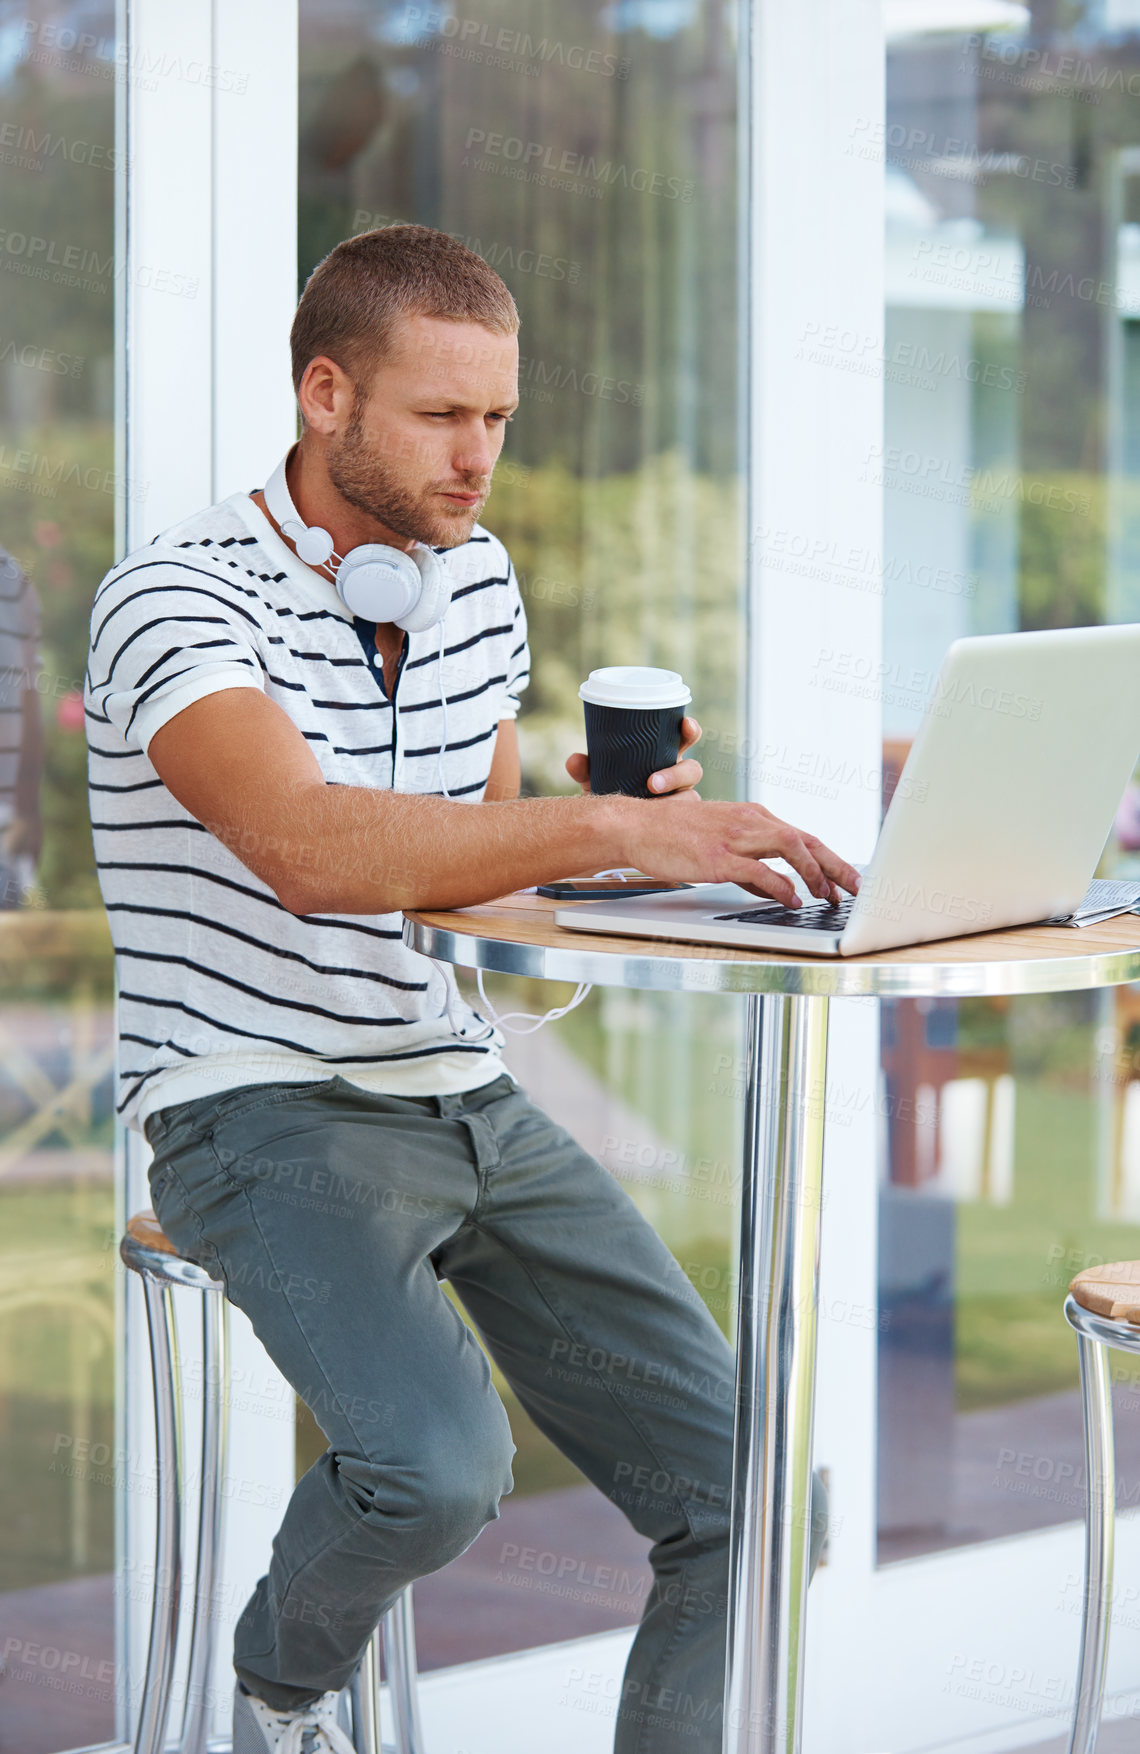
column 775, row 1372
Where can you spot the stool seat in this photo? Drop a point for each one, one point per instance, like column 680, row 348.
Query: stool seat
column 146, row 1248
column 144, row 1228
column 1112, row 1290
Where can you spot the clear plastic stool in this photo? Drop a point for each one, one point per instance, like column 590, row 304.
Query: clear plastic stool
column 1103, row 1307
column 149, row 1252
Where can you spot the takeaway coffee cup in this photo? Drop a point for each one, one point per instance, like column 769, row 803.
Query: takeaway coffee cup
column 633, row 725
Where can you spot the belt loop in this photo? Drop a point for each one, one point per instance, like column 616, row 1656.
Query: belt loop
column 483, row 1141
column 484, row 1144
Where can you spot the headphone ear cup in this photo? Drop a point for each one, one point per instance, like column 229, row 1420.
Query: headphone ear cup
column 435, row 591
column 379, row 583
column 313, row 544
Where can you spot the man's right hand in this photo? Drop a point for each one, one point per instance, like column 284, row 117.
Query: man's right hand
column 696, row 840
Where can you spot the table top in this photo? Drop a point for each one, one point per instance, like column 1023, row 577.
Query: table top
column 517, row 935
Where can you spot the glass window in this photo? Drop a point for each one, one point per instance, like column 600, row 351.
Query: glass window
column 1009, row 476
column 57, row 497
column 589, row 154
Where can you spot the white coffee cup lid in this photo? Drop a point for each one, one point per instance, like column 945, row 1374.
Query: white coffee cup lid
column 634, row 686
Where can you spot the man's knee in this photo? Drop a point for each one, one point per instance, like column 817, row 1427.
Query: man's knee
column 459, row 1487
column 440, row 1495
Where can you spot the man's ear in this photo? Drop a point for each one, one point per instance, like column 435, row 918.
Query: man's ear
column 325, row 396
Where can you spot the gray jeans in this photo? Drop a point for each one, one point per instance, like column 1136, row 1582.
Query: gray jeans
column 331, row 1214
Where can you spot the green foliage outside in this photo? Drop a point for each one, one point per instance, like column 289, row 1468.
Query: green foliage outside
column 63, row 537
column 1014, row 1262
column 57, row 454
column 1062, row 539
column 638, row 568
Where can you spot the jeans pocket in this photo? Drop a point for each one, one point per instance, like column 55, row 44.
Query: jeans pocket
column 189, row 1194
column 177, row 1223
column 159, row 1176
column 253, row 1131
column 252, row 1098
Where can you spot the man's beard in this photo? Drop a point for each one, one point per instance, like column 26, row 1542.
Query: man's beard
column 372, row 485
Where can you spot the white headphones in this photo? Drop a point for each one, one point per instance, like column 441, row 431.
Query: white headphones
column 373, row 581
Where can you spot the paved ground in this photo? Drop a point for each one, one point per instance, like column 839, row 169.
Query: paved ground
column 57, row 1683
column 1010, row 1470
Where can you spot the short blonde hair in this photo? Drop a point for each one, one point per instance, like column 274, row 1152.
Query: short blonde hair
column 353, row 298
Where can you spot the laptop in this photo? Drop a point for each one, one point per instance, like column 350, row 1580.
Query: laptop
column 999, row 817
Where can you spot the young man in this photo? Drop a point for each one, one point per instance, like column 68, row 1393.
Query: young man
column 267, row 770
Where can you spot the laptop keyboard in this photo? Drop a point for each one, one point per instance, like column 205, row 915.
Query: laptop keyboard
column 815, row 916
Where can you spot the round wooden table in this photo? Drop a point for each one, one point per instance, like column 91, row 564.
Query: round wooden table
column 781, row 1200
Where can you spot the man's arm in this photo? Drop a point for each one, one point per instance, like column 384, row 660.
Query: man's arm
column 238, row 763
column 505, row 777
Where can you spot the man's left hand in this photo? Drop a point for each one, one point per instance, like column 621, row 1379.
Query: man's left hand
column 682, row 777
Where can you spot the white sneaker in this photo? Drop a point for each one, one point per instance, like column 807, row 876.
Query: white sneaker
column 310, row 1729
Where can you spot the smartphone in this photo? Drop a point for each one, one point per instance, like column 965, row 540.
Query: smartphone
column 605, row 888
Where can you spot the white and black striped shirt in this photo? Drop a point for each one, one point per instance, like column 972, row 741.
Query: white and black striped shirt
column 219, row 984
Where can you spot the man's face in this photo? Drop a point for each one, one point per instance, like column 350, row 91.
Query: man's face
column 417, row 453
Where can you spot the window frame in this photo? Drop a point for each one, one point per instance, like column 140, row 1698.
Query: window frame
column 204, row 408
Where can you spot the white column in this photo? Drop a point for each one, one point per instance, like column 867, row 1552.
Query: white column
column 206, row 254
column 814, row 512
column 815, row 94
column 165, row 263
column 255, row 238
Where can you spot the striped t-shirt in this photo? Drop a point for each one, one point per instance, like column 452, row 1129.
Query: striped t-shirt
column 219, row 984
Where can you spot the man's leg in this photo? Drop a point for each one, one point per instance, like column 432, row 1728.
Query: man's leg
column 615, row 1357
column 320, row 1207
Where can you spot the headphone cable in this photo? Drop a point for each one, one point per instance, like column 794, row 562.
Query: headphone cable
column 443, row 735
column 507, row 1021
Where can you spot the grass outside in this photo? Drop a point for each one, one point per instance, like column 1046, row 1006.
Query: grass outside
column 1014, row 1262
column 56, row 1382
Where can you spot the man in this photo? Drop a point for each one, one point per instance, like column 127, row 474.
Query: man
column 266, row 773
